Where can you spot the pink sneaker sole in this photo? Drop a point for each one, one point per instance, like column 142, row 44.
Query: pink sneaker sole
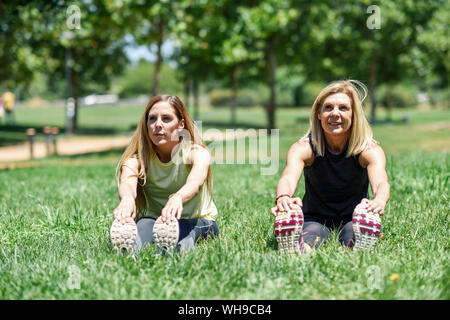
column 288, row 230
column 366, row 227
column 123, row 236
column 165, row 235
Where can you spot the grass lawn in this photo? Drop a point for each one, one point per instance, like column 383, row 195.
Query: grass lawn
column 55, row 218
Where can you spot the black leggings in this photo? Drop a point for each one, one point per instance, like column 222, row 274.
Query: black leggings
column 317, row 230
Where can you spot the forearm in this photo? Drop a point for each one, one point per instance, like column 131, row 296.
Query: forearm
column 189, row 190
column 127, row 190
column 286, row 186
column 382, row 192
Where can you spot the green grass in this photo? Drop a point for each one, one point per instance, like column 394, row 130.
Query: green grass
column 57, row 215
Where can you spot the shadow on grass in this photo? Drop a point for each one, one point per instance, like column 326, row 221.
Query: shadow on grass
column 226, row 125
column 272, row 244
column 115, row 152
column 390, row 122
column 22, row 128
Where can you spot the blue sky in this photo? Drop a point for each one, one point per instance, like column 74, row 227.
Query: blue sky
column 135, row 52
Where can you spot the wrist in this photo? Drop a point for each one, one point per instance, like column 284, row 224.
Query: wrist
column 176, row 194
column 281, row 196
column 127, row 197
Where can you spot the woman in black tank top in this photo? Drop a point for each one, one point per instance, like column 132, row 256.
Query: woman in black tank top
column 339, row 158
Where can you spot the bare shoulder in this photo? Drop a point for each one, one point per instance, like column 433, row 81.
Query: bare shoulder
column 372, row 154
column 199, row 153
column 130, row 168
column 132, row 163
column 301, row 150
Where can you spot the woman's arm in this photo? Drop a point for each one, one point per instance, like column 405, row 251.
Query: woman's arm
column 127, row 191
column 298, row 156
column 200, row 159
column 375, row 161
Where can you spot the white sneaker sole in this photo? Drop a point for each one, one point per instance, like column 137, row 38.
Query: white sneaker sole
column 165, row 235
column 366, row 227
column 123, row 236
column 288, row 230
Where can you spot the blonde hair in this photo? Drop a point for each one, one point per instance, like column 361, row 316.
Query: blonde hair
column 361, row 134
column 142, row 149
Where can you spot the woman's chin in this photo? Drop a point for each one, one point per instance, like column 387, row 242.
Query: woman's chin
column 159, row 141
column 335, row 131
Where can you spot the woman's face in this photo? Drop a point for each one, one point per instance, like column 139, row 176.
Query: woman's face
column 335, row 115
column 162, row 123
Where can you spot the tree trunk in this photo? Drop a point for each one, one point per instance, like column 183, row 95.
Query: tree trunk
column 69, row 80
column 196, row 98
column 187, row 92
column 372, row 88
column 298, row 93
column 271, row 71
column 76, row 96
column 159, row 58
column 234, row 86
column 389, row 102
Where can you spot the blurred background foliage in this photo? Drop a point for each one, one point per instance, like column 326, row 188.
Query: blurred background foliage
column 229, row 54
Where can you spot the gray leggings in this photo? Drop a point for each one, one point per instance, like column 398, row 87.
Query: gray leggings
column 191, row 230
column 316, row 232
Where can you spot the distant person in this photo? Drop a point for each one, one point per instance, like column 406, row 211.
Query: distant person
column 8, row 104
column 339, row 158
column 164, row 180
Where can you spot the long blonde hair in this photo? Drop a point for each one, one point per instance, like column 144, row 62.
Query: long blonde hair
column 361, row 134
column 141, row 147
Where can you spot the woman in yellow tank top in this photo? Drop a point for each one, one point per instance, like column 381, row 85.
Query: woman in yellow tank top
column 164, row 181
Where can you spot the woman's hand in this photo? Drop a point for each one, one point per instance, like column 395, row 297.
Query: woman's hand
column 173, row 208
column 375, row 205
column 126, row 209
column 286, row 203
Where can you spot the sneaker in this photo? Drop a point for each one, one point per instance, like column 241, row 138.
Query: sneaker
column 288, row 230
column 165, row 235
column 366, row 227
column 123, row 235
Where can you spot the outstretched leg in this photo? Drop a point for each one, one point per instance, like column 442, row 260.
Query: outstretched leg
column 314, row 234
column 366, row 226
column 192, row 230
column 288, row 229
column 123, row 235
column 346, row 235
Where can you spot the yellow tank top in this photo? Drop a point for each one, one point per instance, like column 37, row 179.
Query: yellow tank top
column 163, row 179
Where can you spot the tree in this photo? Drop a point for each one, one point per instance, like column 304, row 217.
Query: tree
column 41, row 36
column 431, row 57
column 264, row 25
column 91, row 55
column 348, row 45
column 150, row 22
column 201, row 33
column 20, row 26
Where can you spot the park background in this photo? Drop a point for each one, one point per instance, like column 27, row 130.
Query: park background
column 236, row 64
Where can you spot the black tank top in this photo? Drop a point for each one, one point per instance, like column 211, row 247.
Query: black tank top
column 334, row 185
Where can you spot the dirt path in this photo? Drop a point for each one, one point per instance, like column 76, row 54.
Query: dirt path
column 65, row 146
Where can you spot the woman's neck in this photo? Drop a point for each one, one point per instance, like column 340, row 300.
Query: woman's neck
column 336, row 143
column 164, row 152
